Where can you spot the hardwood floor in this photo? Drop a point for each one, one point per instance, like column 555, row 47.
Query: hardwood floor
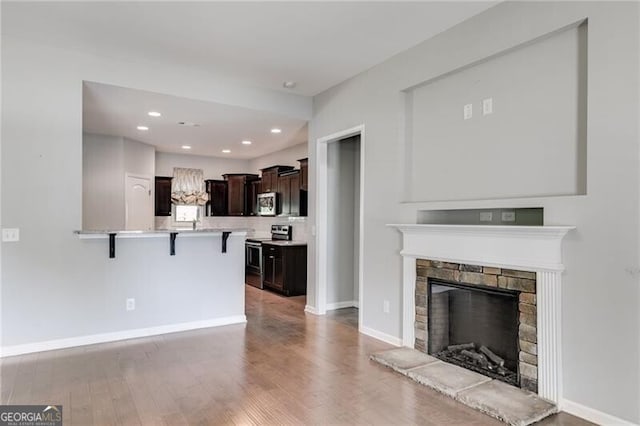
column 284, row 367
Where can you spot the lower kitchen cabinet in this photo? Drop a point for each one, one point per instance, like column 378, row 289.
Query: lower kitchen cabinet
column 285, row 268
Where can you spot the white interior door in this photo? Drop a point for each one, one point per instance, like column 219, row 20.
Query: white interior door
column 138, row 203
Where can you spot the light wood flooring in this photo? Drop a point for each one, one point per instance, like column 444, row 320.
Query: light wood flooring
column 284, row 367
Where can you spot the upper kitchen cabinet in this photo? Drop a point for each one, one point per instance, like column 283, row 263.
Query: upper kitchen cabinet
column 163, row 196
column 218, row 198
column 253, row 189
column 304, row 174
column 289, row 192
column 270, row 177
column 238, row 194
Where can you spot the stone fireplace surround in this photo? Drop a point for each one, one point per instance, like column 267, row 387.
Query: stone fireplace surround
column 534, row 249
column 484, row 276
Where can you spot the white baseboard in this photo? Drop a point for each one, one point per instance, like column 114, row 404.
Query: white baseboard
column 387, row 338
column 311, row 310
column 340, row 305
column 118, row 335
column 356, row 304
column 592, row 415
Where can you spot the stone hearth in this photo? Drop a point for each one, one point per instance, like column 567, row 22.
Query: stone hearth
column 516, row 407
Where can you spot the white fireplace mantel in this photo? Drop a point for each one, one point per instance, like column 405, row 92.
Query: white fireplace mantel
column 527, row 248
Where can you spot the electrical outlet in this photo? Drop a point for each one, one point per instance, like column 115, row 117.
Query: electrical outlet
column 385, row 306
column 468, row 111
column 10, row 235
column 131, row 304
column 508, row 216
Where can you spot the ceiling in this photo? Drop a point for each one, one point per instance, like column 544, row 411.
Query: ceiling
column 260, row 44
column 113, row 110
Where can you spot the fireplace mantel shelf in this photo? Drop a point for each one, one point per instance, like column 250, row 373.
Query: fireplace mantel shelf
column 526, row 248
column 530, row 248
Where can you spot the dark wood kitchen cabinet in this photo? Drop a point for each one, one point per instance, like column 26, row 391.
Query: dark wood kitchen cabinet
column 270, row 177
column 289, row 193
column 285, row 268
column 163, row 196
column 238, row 202
column 218, row 198
column 304, row 174
column 253, row 189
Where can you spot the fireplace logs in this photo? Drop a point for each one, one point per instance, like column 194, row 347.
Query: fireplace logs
column 493, row 357
column 482, row 360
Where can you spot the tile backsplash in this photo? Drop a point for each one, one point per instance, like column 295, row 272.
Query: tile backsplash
column 259, row 226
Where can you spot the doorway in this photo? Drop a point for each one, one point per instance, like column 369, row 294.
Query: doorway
column 339, row 264
column 138, row 203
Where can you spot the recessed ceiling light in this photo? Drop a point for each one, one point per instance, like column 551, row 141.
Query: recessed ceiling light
column 289, row 84
column 276, row 130
column 226, row 151
column 186, row 146
column 142, row 128
column 246, row 142
column 188, row 124
column 154, row 114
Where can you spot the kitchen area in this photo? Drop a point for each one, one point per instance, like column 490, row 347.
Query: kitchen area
column 271, row 204
column 217, row 195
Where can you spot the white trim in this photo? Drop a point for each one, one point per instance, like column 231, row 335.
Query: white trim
column 118, row 335
column 311, row 310
column 408, row 301
column 340, row 305
column 529, row 248
column 322, row 218
column 592, row 414
column 387, row 338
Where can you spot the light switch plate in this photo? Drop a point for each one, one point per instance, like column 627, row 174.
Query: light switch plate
column 10, row 235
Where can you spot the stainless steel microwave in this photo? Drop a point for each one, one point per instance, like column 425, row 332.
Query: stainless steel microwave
column 268, row 204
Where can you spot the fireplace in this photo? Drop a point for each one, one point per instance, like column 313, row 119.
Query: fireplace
column 480, row 318
column 525, row 259
column 474, row 327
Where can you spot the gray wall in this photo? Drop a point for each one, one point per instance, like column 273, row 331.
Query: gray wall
column 600, row 285
column 213, row 167
column 284, row 157
column 539, row 94
column 342, row 265
column 102, row 182
column 53, row 284
column 139, row 158
column 105, row 162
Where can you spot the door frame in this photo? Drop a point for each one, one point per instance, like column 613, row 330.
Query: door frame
column 128, row 175
column 322, row 215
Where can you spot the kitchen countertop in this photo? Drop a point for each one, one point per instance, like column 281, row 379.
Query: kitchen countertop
column 285, row 243
column 158, row 232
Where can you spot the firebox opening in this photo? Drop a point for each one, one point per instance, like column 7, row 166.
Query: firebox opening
column 475, row 328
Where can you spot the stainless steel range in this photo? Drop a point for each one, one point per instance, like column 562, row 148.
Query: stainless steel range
column 253, row 253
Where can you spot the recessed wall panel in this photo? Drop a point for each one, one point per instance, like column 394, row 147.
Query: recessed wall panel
column 532, row 143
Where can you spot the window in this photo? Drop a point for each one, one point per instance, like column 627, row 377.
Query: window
column 186, row 213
